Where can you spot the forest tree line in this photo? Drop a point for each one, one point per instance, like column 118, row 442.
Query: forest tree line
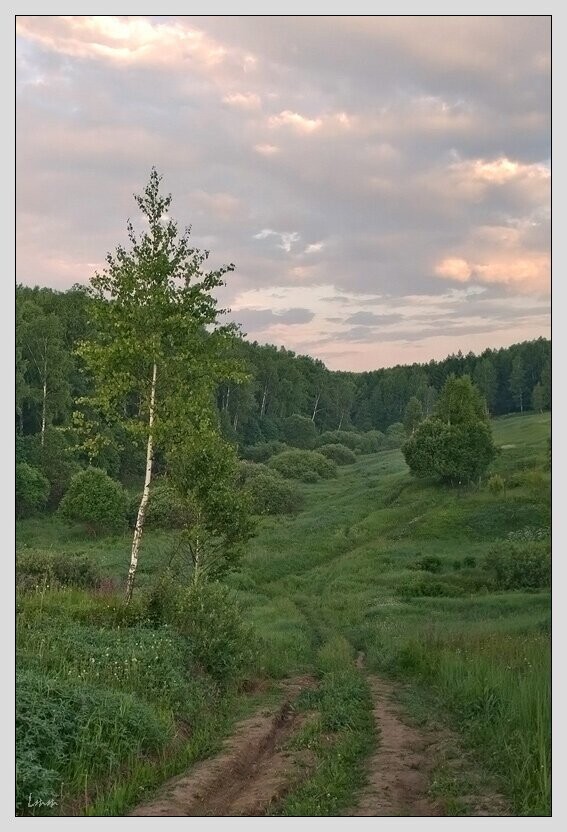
column 279, row 383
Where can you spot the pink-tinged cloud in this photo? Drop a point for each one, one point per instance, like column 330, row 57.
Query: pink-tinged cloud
column 243, row 100
column 300, row 123
column 528, row 273
column 125, row 40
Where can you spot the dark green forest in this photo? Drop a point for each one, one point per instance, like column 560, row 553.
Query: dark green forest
column 280, row 385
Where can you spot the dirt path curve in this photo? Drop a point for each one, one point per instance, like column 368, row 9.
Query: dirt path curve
column 249, row 774
column 399, row 770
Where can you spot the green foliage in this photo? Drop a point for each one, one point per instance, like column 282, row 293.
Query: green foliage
column 32, row 490
column 520, row 564
column 460, row 403
column 269, row 493
column 203, row 469
column 307, row 466
column 165, row 508
column 40, row 569
column 359, row 442
column 63, row 729
column 413, row 415
column 300, row 432
column 496, row 484
column 95, row 500
column 429, row 563
column 338, row 453
column 54, row 458
column 395, row 435
column 263, row 451
column 456, row 445
column 220, row 642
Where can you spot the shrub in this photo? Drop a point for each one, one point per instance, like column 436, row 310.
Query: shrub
column 95, row 500
column 520, row 565
column 307, row 466
column 395, row 435
column 300, row 432
column 469, row 562
column 263, row 451
column 362, row 443
column 376, row 440
column 40, row 568
column 32, row 489
column 270, row 493
column 429, row 563
column 495, row 484
column 338, row 453
column 53, row 459
column 220, row 642
column 452, row 453
column 165, row 508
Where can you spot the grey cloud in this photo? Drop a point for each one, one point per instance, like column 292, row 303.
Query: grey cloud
column 371, row 319
column 380, row 190
column 261, row 319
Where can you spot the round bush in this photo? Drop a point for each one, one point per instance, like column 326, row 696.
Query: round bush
column 361, row 443
column 263, row 451
column 165, row 508
column 307, row 466
column 95, row 500
column 300, row 432
column 270, row 493
column 32, row 489
column 520, row 565
column 338, row 453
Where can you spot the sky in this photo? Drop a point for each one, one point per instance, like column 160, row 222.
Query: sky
column 382, row 184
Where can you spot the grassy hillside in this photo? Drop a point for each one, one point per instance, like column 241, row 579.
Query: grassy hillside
column 376, row 563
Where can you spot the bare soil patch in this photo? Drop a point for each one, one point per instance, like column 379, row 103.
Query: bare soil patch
column 248, row 776
column 405, row 763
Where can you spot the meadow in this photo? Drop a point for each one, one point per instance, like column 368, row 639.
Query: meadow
column 378, row 565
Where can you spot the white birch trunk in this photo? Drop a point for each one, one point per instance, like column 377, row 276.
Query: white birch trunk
column 316, row 407
column 43, row 413
column 263, row 408
column 145, row 494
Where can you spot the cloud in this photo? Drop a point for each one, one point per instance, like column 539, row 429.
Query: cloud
column 243, row 100
column 287, row 238
column 427, row 194
column 299, row 123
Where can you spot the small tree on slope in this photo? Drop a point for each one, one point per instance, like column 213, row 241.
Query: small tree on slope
column 158, row 352
column 455, row 445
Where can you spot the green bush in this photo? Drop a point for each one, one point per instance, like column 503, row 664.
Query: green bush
column 520, row 564
column 165, row 508
column 300, row 432
column 96, row 501
column 395, row 435
column 32, row 489
column 307, row 466
column 338, row 453
column 270, row 493
column 53, row 459
column 263, row 451
column 451, row 453
column 429, row 563
column 362, row 443
column 40, row 568
column 376, row 440
column 220, row 642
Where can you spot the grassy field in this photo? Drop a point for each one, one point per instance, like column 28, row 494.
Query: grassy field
column 376, row 563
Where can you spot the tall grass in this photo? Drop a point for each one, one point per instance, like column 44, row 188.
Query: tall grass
column 498, row 688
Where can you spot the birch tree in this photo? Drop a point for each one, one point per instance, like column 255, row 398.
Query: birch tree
column 158, row 352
